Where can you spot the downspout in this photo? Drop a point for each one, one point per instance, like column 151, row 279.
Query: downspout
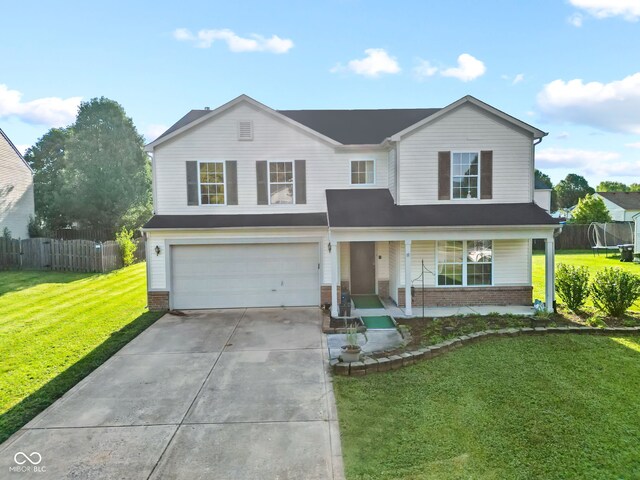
column 535, row 142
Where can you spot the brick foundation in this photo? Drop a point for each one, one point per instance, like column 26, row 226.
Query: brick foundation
column 383, row 288
column 158, row 301
column 344, row 285
column 469, row 296
column 325, row 294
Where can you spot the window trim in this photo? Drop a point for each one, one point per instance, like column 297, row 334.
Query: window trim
column 465, row 263
column 224, row 183
column 351, row 161
column 293, row 181
column 453, row 152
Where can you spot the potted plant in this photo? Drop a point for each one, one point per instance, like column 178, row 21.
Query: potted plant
column 351, row 349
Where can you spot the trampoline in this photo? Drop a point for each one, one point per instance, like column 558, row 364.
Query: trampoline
column 610, row 236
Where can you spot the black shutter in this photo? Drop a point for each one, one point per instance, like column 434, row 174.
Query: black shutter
column 192, row 183
column 444, row 175
column 262, row 178
column 231, row 181
column 300, row 177
column 486, row 174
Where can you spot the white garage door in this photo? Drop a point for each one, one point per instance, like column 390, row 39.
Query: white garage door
column 245, row 275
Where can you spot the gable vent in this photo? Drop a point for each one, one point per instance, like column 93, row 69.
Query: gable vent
column 245, row 130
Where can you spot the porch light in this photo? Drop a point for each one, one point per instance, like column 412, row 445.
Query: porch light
column 157, row 249
column 329, row 246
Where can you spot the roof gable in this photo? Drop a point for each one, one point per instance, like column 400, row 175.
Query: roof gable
column 625, row 200
column 537, row 133
column 13, row 147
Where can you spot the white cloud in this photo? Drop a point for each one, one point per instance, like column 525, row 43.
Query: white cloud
column 49, row 111
column 575, row 20
column 610, row 106
column 424, row 69
column 589, row 162
column 517, row 79
column 562, row 135
column 153, row 131
column 22, row 147
column 376, row 61
column 627, row 9
column 632, row 145
column 469, row 68
column 235, row 43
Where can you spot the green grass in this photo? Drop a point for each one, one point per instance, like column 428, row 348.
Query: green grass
column 577, row 258
column 559, row 406
column 55, row 328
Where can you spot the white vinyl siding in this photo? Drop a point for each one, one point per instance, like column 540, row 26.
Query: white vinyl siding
column 392, row 172
column 16, row 192
column 511, row 262
column 273, row 140
column 466, row 129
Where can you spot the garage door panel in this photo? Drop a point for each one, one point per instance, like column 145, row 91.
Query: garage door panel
column 222, row 276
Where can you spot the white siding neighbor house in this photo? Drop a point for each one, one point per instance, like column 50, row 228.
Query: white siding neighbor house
column 622, row 206
column 16, row 190
column 256, row 207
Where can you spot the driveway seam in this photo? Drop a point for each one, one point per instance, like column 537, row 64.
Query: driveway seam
column 196, row 396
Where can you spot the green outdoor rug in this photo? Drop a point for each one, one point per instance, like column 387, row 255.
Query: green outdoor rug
column 367, row 301
column 378, row 322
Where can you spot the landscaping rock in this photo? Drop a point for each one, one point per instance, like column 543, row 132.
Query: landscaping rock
column 370, row 365
column 357, row 369
column 341, row 368
column 407, row 358
column 384, row 364
column 396, row 361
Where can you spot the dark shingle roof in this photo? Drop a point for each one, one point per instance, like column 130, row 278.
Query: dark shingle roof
column 349, row 127
column 231, row 221
column 375, row 208
column 359, row 127
column 626, row 200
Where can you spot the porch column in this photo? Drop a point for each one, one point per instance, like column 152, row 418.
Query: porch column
column 407, row 277
column 549, row 273
column 334, row 278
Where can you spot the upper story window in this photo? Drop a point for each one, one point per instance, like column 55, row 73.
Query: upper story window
column 465, row 263
column 281, row 183
column 211, row 183
column 465, row 175
column 362, row 172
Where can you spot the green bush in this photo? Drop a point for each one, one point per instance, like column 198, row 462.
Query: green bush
column 572, row 285
column 614, row 290
column 127, row 246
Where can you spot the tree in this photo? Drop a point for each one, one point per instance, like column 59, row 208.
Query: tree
column 634, row 187
column 571, row 189
column 543, row 178
column 108, row 173
column 590, row 209
column 47, row 159
column 609, row 186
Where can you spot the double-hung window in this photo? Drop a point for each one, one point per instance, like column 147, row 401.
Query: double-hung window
column 212, row 183
column 281, row 183
column 362, row 172
column 465, row 175
column 465, row 263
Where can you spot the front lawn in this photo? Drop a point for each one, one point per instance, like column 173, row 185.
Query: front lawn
column 577, row 258
column 55, row 328
column 559, row 406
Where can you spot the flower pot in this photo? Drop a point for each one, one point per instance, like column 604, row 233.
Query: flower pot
column 350, row 353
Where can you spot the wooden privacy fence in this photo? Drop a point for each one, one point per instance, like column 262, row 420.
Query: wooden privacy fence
column 64, row 255
column 573, row 237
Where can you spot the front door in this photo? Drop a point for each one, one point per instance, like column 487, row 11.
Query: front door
column 363, row 268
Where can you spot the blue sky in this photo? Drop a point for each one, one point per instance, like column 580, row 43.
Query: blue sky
column 569, row 67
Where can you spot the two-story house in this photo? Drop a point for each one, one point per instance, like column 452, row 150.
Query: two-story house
column 258, row 207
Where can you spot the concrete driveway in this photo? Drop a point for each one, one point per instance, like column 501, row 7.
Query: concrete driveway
column 224, row 394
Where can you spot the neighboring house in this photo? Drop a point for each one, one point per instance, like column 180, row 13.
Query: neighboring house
column 258, row 207
column 542, row 195
column 636, row 235
column 622, row 206
column 16, row 190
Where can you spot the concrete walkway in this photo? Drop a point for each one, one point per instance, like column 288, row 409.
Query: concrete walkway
column 226, row 394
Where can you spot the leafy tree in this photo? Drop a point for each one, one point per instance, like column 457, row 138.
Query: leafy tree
column 47, row 159
column 571, row 189
column 107, row 173
column 544, row 178
column 609, row 186
column 124, row 238
column 590, row 209
column 634, row 187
